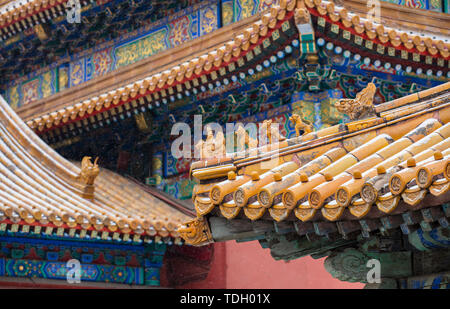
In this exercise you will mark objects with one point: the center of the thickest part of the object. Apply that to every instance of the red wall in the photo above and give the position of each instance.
(247, 265)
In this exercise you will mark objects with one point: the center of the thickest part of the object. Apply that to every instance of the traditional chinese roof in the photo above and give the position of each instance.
(47, 39)
(414, 39)
(393, 162)
(222, 59)
(18, 15)
(42, 190)
(262, 37)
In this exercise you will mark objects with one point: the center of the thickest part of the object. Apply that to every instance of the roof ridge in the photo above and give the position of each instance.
(41, 188)
(341, 15)
(225, 54)
(353, 191)
(22, 132)
(387, 114)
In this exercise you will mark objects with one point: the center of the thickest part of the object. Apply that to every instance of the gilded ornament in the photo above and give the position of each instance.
(89, 171)
(359, 107)
(300, 125)
(272, 132)
(196, 232)
(243, 139)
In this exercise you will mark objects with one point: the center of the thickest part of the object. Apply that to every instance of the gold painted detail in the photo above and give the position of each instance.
(196, 232)
(42, 31)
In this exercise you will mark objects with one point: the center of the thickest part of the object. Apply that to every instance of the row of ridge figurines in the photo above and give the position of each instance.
(214, 146)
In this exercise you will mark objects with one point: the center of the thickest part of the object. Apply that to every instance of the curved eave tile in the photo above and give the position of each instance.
(377, 32)
(349, 179)
(39, 188)
(26, 11)
(193, 69)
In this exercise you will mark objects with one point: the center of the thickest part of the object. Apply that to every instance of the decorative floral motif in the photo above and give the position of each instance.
(179, 31)
(102, 62)
(30, 91)
(77, 72)
(47, 82)
(208, 19)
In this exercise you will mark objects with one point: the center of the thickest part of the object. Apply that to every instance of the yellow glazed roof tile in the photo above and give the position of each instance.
(339, 185)
(39, 187)
(193, 68)
(372, 30)
(230, 52)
